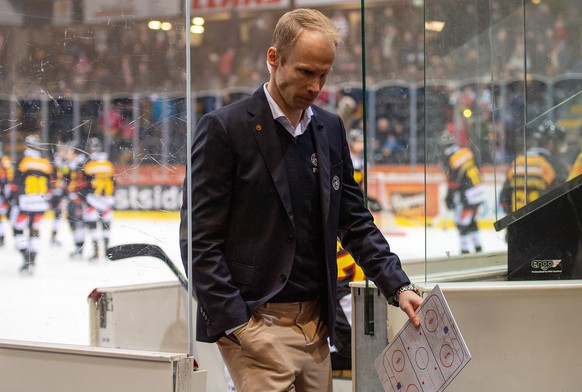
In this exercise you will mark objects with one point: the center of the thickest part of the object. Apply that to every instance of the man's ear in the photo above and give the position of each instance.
(273, 57)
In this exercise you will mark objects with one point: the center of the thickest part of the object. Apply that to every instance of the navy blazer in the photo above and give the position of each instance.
(243, 236)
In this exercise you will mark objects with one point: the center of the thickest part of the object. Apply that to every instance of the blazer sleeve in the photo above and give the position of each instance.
(363, 239)
(212, 158)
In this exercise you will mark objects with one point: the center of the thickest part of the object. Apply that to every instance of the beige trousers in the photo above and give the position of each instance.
(283, 348)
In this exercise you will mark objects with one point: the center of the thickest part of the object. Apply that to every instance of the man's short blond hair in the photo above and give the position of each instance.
(292, 23)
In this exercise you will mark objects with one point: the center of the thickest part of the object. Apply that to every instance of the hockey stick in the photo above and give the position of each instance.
(125, 251)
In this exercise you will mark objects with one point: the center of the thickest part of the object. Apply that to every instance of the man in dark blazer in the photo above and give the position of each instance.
(272, 189)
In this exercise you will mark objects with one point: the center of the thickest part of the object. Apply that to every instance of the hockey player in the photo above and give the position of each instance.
(348, 271)
(58, 199)
(32, 186)
(356, 145)
(531, 175)
(96, 189)
(6, 178)
(576, 169)
(72, 175)
(465, 192)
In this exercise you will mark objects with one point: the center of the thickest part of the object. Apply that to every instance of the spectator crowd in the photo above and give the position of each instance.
(129, 57)
(122, 59)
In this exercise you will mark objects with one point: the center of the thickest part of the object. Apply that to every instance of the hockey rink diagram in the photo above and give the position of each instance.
(426, 358)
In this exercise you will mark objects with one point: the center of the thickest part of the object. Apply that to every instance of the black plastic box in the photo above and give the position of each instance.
(544, 238)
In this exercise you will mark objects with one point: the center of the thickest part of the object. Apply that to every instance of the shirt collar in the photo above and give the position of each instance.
(279, 116)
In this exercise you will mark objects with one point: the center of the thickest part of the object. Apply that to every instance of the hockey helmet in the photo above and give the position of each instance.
(33, 142)
(356, 135)
(447, 139)
(549, 130)
(346, 104)
(94, 145)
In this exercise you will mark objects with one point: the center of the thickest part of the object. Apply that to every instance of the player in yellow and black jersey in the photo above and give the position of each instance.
(531, 175)
(576, 169)
(96, 189)
(32, 192)
(6, 178)
(465, 191)
(348, 270)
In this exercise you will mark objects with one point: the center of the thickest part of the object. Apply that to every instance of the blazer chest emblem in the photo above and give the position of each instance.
(335, 183)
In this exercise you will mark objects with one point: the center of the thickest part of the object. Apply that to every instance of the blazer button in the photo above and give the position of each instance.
(283, 278)
(290, 239)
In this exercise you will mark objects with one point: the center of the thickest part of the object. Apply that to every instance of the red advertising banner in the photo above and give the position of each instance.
(403, 192)
(149, 175)
(406, 191)
(96, 11)
(206, 6)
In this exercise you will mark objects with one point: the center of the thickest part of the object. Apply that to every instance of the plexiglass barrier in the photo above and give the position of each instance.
(452, 96)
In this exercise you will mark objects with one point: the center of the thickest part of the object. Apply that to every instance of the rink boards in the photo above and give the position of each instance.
(519, 339)
(154, 316)
(33, 366)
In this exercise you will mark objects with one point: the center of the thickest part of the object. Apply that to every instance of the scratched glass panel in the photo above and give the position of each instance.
(465, 134)
(93, 119)
(541, 176)
(97, 76)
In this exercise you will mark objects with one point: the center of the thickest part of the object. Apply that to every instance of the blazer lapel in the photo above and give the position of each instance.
(322, 149)
(265, 133)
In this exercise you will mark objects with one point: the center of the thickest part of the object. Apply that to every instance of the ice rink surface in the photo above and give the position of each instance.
(51, 305)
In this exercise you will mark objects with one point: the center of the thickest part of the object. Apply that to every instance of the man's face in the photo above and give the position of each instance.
(357, 146)
(296, 82)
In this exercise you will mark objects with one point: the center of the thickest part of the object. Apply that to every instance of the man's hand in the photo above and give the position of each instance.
(409, 301)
